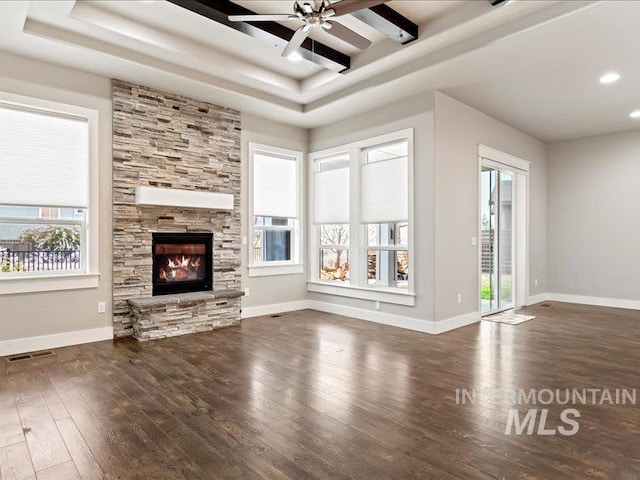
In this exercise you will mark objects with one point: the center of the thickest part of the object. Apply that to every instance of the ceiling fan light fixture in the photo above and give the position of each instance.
(294, 57)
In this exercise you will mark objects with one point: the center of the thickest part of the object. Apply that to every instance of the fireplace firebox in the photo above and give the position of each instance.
(182, 262)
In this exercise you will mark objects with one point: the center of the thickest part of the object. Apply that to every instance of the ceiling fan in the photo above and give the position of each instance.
(313, 14)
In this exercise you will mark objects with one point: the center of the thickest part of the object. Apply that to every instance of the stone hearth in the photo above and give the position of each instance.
(171, 315)
(162, 140)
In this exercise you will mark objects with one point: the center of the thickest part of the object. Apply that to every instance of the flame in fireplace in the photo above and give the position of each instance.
(181, 268)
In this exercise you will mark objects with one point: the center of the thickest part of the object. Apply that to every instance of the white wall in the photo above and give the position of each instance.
(415, 112)
(460, 129)
(272, 289)
(594, 216)
(36, 314)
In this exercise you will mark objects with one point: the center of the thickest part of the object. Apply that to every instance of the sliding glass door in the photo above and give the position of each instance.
(497, 218)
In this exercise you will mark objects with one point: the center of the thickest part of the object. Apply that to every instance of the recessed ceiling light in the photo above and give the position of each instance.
(635, 114)
(610, 77)
(295, 57)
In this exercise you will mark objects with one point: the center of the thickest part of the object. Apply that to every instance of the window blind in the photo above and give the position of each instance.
(384, 190)
(44, 158)
(274, 186)
(331, 190)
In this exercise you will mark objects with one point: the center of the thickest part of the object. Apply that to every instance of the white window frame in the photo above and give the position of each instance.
(89, 276)
(295, 265)
(357, 286)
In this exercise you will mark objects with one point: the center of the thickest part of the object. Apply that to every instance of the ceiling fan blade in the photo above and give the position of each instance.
(348, 35)
(263, 18)
(344, 7)
(296, 41)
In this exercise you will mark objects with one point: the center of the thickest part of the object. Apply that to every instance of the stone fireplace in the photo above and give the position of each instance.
(182, 263)
(176, 266)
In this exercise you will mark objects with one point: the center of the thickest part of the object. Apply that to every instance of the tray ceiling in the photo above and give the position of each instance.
(467, 48)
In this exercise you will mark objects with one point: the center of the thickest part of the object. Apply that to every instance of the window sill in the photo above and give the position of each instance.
(376, 294)
(48, 283)
(278, 269)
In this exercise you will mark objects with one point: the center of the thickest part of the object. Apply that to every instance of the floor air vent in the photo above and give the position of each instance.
(545, 304)
(30, 356)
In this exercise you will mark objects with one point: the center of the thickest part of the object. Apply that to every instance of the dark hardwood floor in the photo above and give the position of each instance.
(317, 396)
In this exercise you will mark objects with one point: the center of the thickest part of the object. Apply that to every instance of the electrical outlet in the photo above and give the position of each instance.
(535, 282)
(246, 291)
(377, 305)
(459, 298)
(102, 307)
(474, 241)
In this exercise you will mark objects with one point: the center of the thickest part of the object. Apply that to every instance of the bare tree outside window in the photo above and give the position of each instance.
(334, 251)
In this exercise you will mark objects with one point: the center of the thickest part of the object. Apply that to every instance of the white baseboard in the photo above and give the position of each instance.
(457, 322)
(416, 324)
(541, 297)
(597, 301)
(248, 312)
(43, 342)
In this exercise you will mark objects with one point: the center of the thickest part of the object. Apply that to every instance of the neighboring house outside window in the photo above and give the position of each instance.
(361, 231)
(275, 236)
(384, 196)
(45, 159)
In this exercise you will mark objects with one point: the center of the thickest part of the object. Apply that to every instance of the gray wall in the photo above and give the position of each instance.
(455, 135)
(460, 129)
(35, 314)
(594, 216)
(415, 112)
(447, 136)
(282, 288)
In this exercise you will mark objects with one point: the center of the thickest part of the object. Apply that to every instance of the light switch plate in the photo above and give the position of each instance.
(102, 307)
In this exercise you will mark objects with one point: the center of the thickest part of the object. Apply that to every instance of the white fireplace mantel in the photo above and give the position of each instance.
(169, 197)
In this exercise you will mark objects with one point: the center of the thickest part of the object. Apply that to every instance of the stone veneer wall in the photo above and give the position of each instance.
(169, 141)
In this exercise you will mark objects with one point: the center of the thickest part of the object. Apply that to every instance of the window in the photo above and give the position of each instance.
(388, 254)
(331, 215)
(334, 252)
(272, 239)
(361, 198)
(46, 154)
(274, 230)
(385, 211)
(42, 240)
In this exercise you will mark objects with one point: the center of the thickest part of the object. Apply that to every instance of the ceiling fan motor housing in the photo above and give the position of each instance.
(314, 17)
